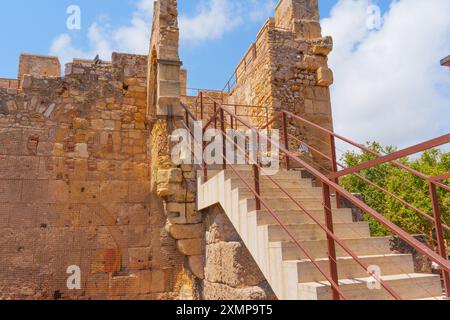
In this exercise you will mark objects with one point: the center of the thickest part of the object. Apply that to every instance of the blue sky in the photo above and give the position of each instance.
(42, 20)
(388, 77)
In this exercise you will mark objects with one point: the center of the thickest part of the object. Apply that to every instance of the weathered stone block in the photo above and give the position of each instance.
(184, 231)
(324, 77)
(182, 213)
(218, 291)
(190, 247)
(106, 261)
(79, 123)
(139, 258)
(125, 285)
(197, 266)
(159, 281)
(231, 263)
(174, 175)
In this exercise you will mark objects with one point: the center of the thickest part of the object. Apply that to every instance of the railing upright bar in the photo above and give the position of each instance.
(215, 119)
(201, 106)
(286, 139)
(235, 112)
(440, 235)
(334, 166)
(224, 134)
(205, 169)
(332, 260)
(187, 120)
(257, 173)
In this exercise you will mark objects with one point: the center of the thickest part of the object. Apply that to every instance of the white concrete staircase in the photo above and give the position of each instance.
(291, 275)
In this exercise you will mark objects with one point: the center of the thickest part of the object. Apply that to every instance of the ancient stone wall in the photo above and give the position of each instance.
(286, 69)
(75, 188)
(36, 65)
(87, 178)
(253, 83)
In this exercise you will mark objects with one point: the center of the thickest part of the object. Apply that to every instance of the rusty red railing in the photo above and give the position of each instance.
(331, 182)
(392, 158)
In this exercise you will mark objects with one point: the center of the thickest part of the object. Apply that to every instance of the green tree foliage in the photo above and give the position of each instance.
(408, 187)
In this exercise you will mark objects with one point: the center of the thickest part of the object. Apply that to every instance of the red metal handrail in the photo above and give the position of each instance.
(421, 212)
(327, 184)
(394, 156)
(366, 149)
(432, 182)
(329, 229)
(401, 233)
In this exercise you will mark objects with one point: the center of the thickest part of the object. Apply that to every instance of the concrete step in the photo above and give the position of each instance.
(239, 167)
(279, 175)
(319, 249)
(300, 217)
(409, 286)
(438, 298)
(303, 232)
(310, 203)
(348, 268)
(299, 196)
(303, 184)
(278, 193)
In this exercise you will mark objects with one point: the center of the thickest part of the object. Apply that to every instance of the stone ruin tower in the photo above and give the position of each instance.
(87, 179)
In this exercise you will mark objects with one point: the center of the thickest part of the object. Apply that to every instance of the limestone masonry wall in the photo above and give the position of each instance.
(286, 69)
(75, 187)
(87, 178)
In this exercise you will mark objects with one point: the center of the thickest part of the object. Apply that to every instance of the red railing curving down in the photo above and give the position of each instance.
(219, 119)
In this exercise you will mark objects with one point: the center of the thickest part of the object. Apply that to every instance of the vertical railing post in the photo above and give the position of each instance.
(334, 166)
(330, 241)
(205, 169)
(256, 172)
(286, 139)
(235, 112)
(187, 120)
(257, 186)
(224, 137)
(439, 234)
(201, 105)
(215, 118)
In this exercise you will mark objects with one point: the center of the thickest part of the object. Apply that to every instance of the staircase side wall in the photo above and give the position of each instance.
(230, 271)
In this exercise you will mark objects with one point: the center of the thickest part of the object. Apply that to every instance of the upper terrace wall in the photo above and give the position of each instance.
(36, 65)
(75, 187)
(9, 83)
(286, 69)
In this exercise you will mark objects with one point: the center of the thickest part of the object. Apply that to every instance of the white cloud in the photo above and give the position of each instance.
(389, 86)
(214, 18)
(211, 21)
(261, 10)
(103, 39)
